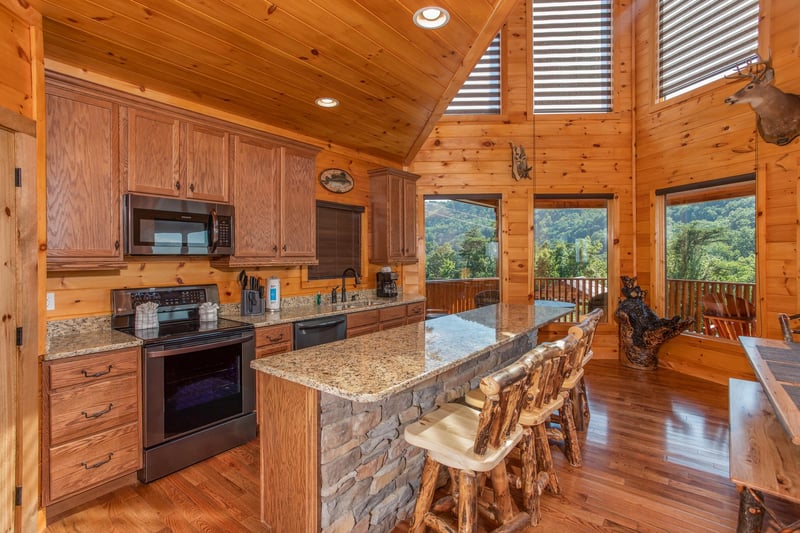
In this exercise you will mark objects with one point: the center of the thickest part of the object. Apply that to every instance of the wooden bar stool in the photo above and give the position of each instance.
(473, 446)
(574, 415)
(542, 400)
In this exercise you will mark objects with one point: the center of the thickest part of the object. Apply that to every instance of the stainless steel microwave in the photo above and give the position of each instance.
(169, 226)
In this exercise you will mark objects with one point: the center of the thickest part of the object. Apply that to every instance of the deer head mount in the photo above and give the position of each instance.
(778, 112)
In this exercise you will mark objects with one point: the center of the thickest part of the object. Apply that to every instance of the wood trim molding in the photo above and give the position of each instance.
(15, 122)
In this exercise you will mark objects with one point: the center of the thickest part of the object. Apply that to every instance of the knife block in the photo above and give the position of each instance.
(252, 303)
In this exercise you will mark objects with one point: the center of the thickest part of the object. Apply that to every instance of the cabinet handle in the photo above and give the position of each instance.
(98, 414)
(191, 187)
(275, 248)
(98, 464)
(116, 244)
(96, 374)
(275, 339)
(284, 247)
(178, 185)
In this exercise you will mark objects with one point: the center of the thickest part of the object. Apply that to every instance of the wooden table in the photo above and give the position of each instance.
(777, 366)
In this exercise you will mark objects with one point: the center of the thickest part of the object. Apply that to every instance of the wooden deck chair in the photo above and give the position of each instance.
(728, 316)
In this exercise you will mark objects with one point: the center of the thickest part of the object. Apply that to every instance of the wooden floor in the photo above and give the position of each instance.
(655, 460)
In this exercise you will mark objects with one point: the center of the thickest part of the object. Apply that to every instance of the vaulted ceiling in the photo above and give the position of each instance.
(269, 61)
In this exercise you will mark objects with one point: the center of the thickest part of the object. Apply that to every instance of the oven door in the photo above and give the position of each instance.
(194, 383)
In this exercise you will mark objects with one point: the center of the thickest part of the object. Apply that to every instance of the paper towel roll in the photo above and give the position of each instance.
(273, 293)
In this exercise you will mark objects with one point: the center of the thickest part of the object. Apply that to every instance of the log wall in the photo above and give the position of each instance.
(696, 137)
(569, 153)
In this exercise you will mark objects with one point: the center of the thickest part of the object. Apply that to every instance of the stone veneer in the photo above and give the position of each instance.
(370, 475)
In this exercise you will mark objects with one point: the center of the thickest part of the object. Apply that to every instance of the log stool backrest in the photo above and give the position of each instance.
(504, 391)
(584, 331)
(548, 364)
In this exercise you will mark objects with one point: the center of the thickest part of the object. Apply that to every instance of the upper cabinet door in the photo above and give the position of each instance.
(207, 169)
(255, 169)
(83, 209)
(150, 143)
(298, 220)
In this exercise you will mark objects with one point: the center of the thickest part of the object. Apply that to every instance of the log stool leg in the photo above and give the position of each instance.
(581, 401)
(572, 447)
(430, 473)
(751, 511)
(544, 460)
(467, 502)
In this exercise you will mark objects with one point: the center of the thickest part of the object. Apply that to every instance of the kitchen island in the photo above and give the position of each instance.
(331, 417)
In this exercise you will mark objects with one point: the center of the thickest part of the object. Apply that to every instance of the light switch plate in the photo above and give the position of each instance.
(51, 301)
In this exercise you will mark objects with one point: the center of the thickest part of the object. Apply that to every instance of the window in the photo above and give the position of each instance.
(709, 246)
(338, 240)
(572, 56)
(480, 94)
(461, 248)
(571, 251)
(702, 40)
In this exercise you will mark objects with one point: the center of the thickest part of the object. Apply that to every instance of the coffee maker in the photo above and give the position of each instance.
(387, 284)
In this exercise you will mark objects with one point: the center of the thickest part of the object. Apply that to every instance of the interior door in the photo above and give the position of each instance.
(8, 348)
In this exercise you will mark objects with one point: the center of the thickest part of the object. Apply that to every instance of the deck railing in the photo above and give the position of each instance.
(456, 295)
(685, 297)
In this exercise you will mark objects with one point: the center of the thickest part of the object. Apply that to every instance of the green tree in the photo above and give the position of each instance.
(474, 257)
(688, 249)
(441, 263)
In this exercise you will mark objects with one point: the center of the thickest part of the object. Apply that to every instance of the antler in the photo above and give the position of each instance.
(754, 69)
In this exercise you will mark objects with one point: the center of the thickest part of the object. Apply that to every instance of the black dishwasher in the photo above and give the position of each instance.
(319, 331)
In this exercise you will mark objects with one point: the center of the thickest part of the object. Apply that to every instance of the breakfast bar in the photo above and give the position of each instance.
(331, 417)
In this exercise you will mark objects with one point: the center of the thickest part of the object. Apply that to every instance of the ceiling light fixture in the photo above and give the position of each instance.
(431, 18)
(327, 101)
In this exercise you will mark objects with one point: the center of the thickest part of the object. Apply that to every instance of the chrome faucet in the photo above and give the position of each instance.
(344, 284)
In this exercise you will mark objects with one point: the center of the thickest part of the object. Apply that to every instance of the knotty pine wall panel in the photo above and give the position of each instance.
(696, 137)
(570, 154)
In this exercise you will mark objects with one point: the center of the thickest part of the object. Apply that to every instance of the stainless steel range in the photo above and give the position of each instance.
(198, 389)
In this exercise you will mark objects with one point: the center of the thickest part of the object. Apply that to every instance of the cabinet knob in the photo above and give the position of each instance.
(284, 247)
(275, 248)
(116, 244)
(178, 185)
(191, 187)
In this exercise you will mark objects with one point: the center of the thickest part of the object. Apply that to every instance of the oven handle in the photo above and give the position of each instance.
(195, 347)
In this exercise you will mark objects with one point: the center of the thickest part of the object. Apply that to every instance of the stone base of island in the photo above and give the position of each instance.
(331, 417)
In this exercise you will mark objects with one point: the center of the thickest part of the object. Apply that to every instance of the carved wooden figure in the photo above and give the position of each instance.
(641, 331)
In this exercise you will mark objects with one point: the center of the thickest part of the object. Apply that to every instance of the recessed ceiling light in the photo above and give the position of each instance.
(431, 17)
(327, 101)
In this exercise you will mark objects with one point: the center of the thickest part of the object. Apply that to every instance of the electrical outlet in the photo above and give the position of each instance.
(51, 301)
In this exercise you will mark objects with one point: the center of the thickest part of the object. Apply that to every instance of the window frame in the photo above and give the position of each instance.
(658, 198)
(586, 200)
(708, 84)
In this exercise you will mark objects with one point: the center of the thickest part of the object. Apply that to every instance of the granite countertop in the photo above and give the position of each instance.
(372, 367)
(88, 342)
(305, 312)
(81, 336)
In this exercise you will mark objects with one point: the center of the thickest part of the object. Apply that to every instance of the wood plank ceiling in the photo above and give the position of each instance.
(269, 61)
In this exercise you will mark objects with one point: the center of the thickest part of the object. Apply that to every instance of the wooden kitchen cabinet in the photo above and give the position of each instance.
(84, 226)
(91, 422)
(392, 317)
(274, 195)
(415, 312)
(165, 155)
(271, 340)
(362, 322)
(393, 202)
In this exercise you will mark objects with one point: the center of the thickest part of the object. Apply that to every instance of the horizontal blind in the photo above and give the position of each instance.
(480, 94)
(572, 56)
(700, 40)
(338, 240)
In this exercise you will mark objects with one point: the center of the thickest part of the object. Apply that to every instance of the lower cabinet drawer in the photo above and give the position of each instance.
(85, 463)
(79, 411)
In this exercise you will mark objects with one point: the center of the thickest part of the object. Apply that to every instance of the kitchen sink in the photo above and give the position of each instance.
(354, 304)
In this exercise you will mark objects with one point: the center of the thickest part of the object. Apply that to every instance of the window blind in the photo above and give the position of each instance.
(338, 240)
(701, 40)
(572, 56)
(480, 94)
